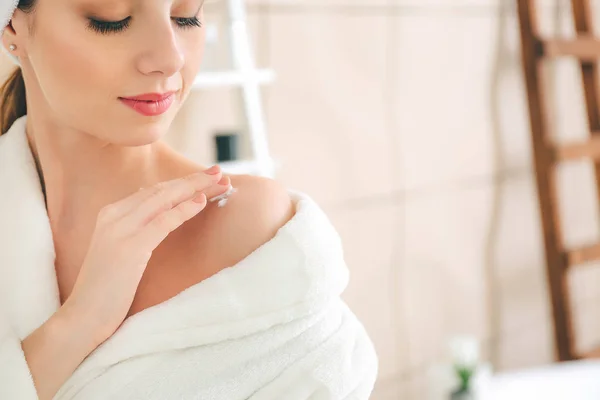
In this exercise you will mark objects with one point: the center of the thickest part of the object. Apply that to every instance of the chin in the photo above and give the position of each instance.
(147, 139)
(141, 137)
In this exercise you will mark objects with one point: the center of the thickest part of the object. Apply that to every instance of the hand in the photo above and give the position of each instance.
(125, 235)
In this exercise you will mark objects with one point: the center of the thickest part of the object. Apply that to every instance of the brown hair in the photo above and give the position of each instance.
(12, 92)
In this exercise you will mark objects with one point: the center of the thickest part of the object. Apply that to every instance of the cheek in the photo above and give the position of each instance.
(72, 66)
(194, 57)
(73, 77)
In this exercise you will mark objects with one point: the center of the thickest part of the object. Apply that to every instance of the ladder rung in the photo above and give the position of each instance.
(589, 149)
(595, 353)
(583, 47)
(583, 255)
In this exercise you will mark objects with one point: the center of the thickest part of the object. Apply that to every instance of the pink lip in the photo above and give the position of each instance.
(150, 108)
(150, 96)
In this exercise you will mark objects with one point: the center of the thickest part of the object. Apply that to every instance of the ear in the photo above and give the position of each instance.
(10, 27)
(8, 35)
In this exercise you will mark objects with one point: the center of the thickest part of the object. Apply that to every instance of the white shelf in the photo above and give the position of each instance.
(232, 78)
(243, 167)
(244, 75)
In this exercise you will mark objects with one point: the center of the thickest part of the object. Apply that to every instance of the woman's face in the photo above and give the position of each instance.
(79, 66)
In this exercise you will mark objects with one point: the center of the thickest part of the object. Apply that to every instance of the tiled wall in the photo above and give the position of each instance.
(407, 122)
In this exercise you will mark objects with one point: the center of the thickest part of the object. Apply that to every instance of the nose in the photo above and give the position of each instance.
(161, 51)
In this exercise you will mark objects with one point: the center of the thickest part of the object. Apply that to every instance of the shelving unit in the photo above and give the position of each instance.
(249, 80)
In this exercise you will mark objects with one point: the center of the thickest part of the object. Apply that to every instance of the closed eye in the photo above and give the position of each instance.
(108, 27)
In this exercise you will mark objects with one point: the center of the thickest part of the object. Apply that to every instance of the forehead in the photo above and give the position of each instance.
(110, 4)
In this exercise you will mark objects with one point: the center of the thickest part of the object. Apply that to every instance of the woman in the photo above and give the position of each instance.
(120, 280)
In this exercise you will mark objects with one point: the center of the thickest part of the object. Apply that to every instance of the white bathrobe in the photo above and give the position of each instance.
(273, 326)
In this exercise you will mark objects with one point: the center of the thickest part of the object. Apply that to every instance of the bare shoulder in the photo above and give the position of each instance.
(251, 217)
(262, 201)
(217, 238)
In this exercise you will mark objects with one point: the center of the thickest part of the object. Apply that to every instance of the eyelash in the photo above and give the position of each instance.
(108, 27)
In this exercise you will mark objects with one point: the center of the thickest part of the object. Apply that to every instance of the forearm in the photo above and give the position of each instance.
(56, 348)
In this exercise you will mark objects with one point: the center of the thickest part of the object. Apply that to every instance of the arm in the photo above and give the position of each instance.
(39, 365)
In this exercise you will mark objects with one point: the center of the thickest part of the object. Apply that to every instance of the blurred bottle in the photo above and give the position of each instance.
(226, 144)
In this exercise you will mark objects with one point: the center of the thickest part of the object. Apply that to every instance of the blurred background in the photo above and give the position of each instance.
(407, 121)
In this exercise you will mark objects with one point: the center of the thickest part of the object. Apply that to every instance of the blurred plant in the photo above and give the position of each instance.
(464, 375)
(465, 358)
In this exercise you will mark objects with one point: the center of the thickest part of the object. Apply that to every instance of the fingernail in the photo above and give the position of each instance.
(201, 198)
(212, 170)
(224, 181)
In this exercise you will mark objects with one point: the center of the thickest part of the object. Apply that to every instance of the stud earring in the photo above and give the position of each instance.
(12, 47)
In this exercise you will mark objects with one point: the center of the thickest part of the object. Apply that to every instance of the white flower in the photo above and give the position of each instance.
(464, 351)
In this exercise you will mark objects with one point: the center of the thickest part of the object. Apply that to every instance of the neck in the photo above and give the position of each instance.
(81, 174)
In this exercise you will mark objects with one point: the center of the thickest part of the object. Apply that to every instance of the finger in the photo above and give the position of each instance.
(166, 222)
(223, 194)
(224, 185)
(145, 193)
(132, 202)
(165, 197)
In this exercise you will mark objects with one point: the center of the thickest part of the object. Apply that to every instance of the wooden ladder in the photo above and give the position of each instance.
(560, 261)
